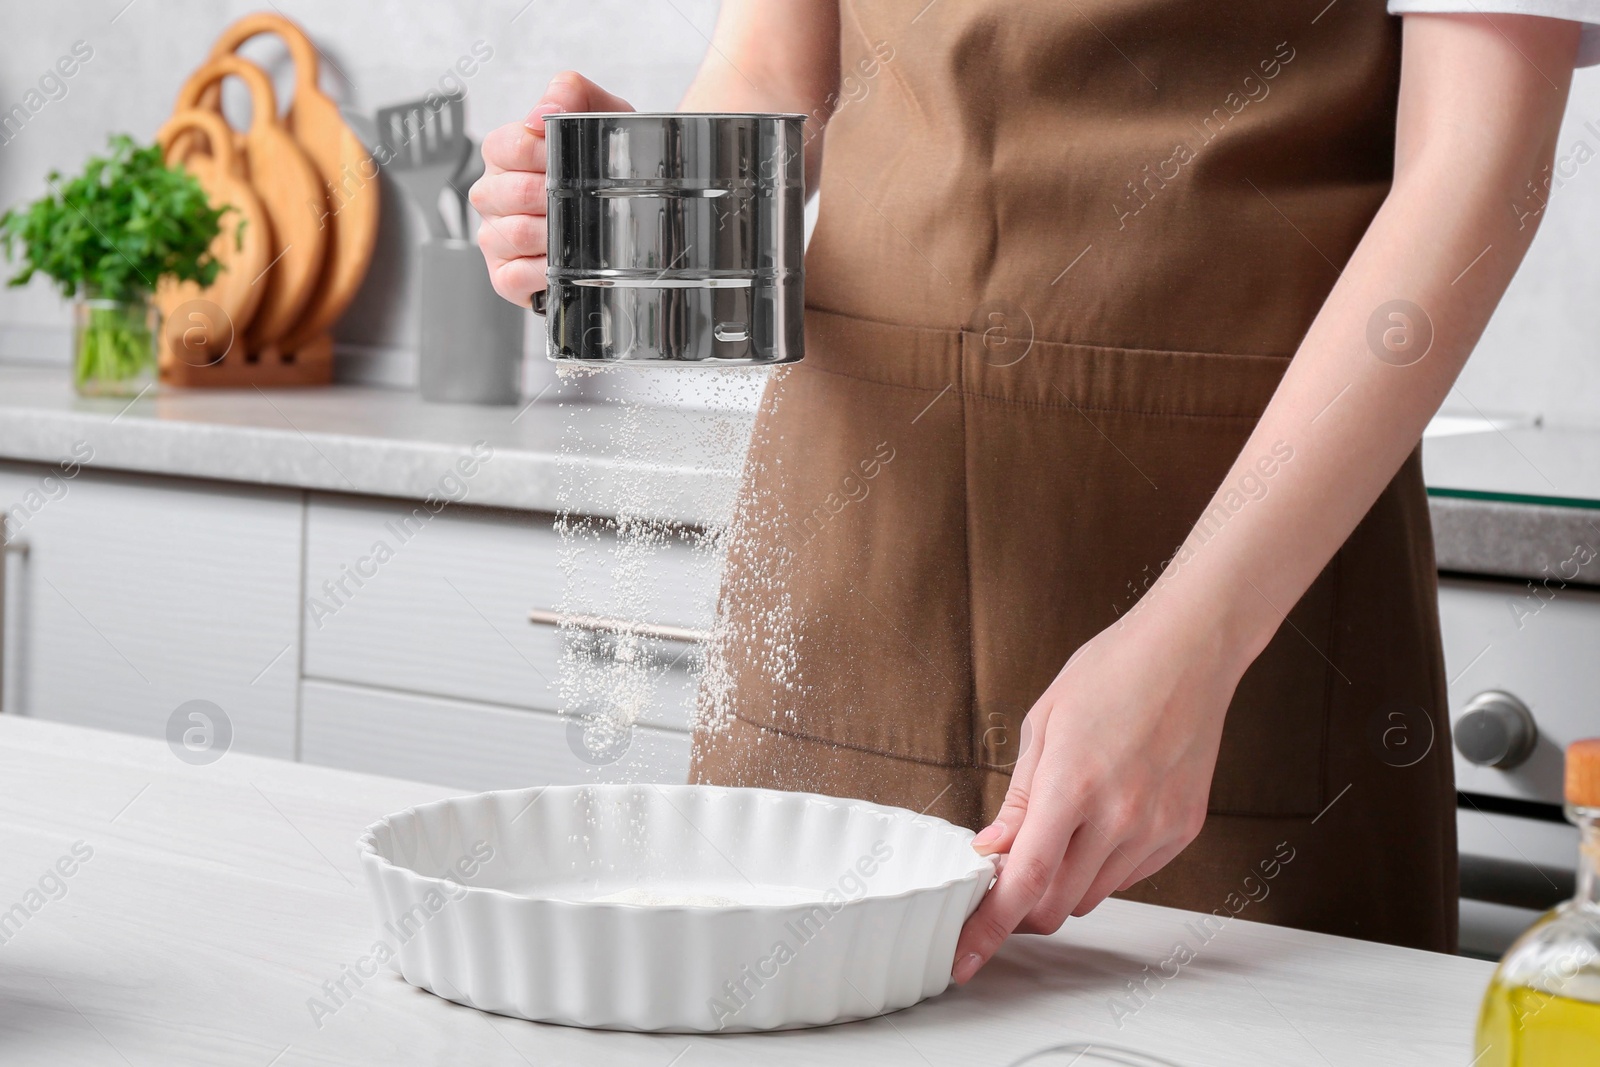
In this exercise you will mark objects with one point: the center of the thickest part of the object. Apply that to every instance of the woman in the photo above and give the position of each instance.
(1124, 319)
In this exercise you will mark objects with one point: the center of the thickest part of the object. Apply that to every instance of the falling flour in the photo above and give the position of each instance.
(656, 478)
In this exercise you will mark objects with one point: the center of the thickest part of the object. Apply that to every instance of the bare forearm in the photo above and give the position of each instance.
(1480, 109)
(772, 55)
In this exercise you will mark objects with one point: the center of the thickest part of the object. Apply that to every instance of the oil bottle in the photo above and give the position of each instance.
(1543, 1004)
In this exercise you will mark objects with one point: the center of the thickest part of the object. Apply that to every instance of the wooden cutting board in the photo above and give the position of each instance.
(291, 191)
(202, 326)
(349, 174)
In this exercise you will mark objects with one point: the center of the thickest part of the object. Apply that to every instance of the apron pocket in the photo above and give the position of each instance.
(1086, 468)
(1274, 741)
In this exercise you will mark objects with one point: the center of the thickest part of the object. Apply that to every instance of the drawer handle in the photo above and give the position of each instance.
(598, 625)
(8, 546)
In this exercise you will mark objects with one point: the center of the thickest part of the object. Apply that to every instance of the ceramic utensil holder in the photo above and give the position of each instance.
(471, 339)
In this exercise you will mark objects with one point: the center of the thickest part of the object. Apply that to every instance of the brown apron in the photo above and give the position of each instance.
(1065, 252)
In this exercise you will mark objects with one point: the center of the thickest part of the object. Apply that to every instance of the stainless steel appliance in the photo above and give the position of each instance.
(1525, 683)
(1515, 508)
(1519, 607)
(675, 239)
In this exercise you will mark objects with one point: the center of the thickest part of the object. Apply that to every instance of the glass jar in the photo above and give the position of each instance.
(1543, 1004)
(114, 345)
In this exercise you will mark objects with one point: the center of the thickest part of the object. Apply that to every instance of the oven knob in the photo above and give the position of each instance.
(1496, 730)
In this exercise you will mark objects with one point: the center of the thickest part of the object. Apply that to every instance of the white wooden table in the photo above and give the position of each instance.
(219, 899)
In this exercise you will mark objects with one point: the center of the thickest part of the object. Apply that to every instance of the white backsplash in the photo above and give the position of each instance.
(376, 53)
(1537, 358)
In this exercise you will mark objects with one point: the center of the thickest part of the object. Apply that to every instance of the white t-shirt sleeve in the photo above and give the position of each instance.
(1584, 11)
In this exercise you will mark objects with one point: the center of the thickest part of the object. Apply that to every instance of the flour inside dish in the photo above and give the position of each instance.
(702, 896)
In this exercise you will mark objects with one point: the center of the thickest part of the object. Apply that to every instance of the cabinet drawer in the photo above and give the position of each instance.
(138, 594)
(439, 605)
(1538, 646)
(466, 745)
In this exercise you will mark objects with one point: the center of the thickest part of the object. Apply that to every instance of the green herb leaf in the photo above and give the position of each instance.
(116, 230)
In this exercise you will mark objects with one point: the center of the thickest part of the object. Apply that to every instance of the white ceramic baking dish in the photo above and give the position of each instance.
(677, 908)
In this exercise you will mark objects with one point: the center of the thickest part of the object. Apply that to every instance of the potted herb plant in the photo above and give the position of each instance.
(107, 238)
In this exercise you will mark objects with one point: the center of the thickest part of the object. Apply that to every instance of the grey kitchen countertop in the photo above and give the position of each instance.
(593, 458)
(1515, 498)
(1509, 497)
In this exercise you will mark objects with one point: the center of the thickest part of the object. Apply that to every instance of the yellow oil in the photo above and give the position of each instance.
(1522, 1027)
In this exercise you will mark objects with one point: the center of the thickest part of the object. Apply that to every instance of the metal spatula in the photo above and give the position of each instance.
(426, 143)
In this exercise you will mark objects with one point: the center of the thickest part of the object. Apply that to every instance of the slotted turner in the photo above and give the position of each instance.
(425, 146)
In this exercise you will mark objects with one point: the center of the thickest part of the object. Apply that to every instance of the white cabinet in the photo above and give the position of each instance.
(439, 604)
(472, 746)
(356, 632)
(138, 594)
(421, 661)
(433, 605)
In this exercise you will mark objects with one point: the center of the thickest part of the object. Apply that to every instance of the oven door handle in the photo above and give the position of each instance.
(1517, 885)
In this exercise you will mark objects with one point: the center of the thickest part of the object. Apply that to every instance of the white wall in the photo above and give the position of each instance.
(1541, 353)
(1539, 356)
(385, 52)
